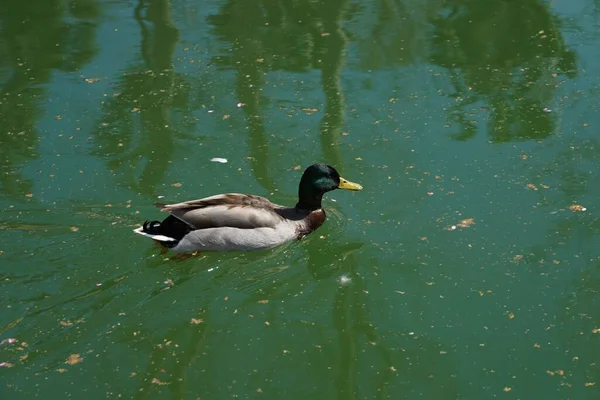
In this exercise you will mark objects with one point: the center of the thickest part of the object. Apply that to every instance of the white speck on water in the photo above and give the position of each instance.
(344, 279)
(219, 160)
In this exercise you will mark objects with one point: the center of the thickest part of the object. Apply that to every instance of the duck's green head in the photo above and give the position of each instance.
(316, 181)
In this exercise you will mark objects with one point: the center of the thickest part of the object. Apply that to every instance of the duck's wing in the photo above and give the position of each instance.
(226, 210)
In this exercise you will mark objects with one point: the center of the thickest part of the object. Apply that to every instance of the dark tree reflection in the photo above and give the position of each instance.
(271, 36)
(137, 127)
(37, 38)
(511, 56)
(398, 35)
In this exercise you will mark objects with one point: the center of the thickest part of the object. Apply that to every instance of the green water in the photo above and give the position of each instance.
(445, 111)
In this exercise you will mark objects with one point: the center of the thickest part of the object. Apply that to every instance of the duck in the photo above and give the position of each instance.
(245, 222)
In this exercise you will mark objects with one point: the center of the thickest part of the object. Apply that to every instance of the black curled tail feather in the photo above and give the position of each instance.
(152, 227)
(171, 227)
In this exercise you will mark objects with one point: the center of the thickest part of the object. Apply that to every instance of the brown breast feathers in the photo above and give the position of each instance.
(312, 221)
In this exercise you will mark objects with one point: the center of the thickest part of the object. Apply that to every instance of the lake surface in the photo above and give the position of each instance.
(468, 267)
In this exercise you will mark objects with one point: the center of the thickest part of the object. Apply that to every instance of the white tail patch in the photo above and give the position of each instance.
(160, 238)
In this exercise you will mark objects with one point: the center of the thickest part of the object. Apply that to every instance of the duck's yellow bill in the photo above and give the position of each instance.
(347, 185)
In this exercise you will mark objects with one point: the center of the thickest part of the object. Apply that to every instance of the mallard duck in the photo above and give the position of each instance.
(244, 222)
